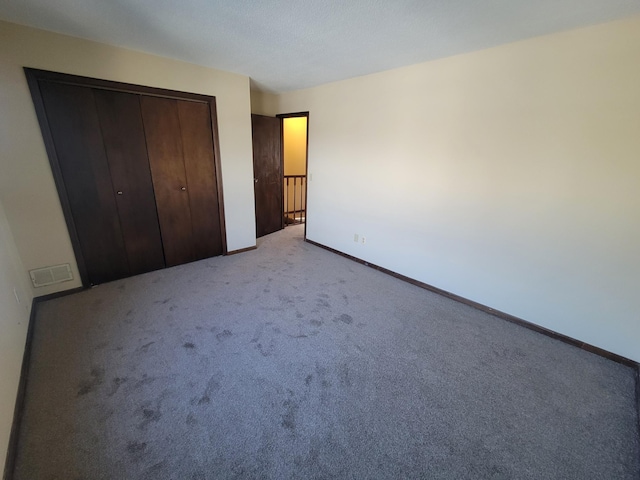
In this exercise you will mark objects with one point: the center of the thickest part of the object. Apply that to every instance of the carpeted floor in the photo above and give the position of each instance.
(292, 362)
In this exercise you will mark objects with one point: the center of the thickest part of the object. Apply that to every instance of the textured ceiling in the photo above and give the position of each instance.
(286, 45)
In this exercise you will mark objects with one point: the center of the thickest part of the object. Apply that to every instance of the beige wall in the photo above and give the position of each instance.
(263, 103)
(15, 304)
(510, 176)
(26, 184)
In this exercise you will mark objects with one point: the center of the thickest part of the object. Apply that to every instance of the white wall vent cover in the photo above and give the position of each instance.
(42, 277)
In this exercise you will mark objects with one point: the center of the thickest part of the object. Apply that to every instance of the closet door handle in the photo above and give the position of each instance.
(119, 192)
(183, 188)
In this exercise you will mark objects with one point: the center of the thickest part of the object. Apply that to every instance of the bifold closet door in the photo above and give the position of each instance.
(195, 127)
(180, 148)
(124, 143)
(75, 128)
(100, 145)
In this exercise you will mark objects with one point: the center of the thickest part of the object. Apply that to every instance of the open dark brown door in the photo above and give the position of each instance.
(267, 173)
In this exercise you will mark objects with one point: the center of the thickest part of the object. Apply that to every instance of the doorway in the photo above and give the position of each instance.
(280, 151)
(294, 147)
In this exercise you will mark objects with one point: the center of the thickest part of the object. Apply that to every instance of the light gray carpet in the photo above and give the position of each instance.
(292, 362)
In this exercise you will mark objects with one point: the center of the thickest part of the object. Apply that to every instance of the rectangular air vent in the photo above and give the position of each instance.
(42, 277)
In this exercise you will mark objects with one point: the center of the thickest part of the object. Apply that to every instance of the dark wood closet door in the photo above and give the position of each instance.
(75, 128)
(124, 143)
(164, 147)
(267, 173)
(195, 125)
(136, 169)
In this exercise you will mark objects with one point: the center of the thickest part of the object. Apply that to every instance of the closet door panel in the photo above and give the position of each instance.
(75, 128)
(195, 125)
(124, 141)
(164, 147)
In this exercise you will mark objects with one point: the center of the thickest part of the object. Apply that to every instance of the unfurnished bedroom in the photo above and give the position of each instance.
(324, 240)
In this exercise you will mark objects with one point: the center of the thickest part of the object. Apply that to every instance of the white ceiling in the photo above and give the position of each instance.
(286, 44)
